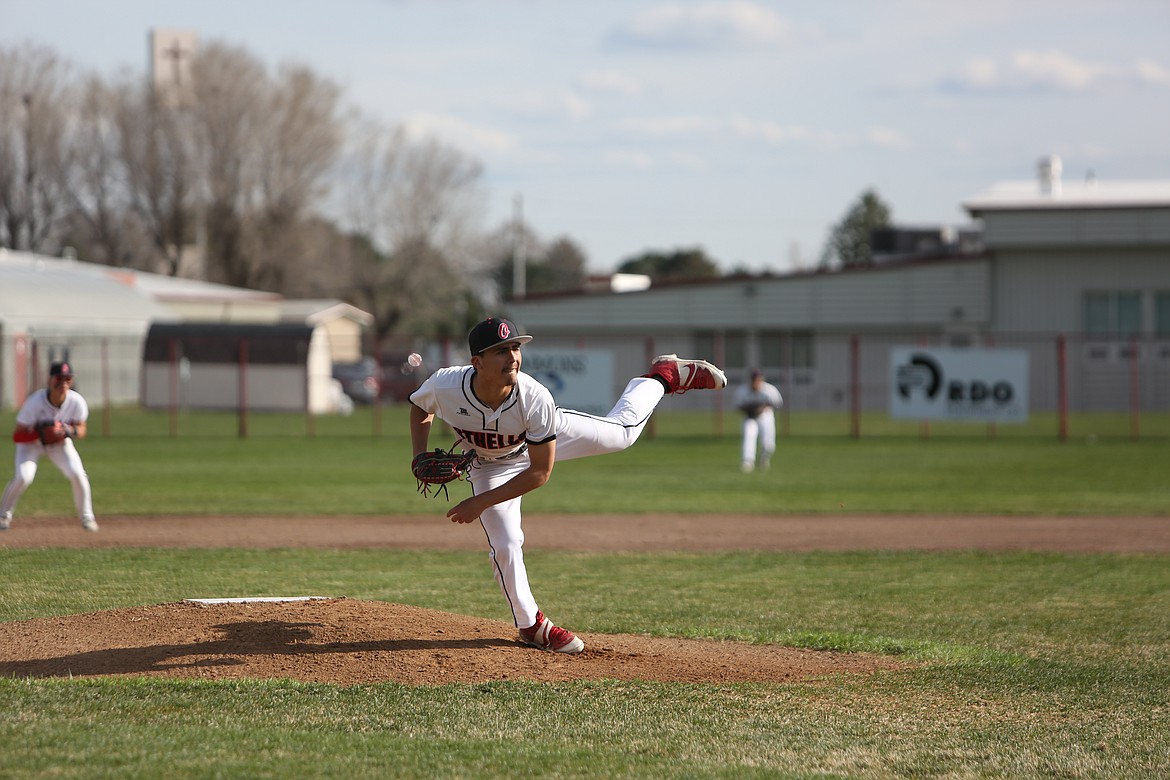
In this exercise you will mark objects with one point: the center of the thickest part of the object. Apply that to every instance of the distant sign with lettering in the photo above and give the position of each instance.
(580, 379)
(959, 384)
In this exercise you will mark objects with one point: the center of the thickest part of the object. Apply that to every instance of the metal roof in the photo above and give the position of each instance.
(1030, 195)
(40, 291)
(317, 310)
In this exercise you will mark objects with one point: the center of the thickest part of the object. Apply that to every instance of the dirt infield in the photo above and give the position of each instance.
(347, 641)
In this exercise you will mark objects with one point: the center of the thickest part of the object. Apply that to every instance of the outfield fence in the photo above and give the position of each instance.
(833, 384)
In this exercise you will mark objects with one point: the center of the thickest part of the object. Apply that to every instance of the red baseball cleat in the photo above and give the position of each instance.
(545, 636)
(683, 374)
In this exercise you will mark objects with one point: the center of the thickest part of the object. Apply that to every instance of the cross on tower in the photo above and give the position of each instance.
(175, 53)
(171, 55)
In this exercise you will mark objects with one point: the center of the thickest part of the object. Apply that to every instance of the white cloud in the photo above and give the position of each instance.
(611, 81)
(662, 126)
(555, 104)
(1052, 71)
(1154, 73)
(735, 125)
(733, 24)
(628, 158)
(981, 73)
(689, 161)
(887, 138)
(575, 106)
(460, 132)
(770, 132)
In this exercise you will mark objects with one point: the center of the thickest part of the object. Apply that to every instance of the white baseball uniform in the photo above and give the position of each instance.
(38, 409)
(500, 439)
(759, 422)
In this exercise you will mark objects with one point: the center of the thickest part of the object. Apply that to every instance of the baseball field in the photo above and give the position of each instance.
(896, 606)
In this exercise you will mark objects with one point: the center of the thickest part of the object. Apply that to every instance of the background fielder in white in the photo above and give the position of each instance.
(758, 400)
(57, 402)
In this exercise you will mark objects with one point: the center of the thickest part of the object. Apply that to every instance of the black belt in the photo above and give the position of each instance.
(523, 448)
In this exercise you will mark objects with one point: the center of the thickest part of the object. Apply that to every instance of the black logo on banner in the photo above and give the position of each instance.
(922, 371)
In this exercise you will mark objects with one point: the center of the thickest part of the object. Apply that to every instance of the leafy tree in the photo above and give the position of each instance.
(849, 243)
(679, 265)
(557, 267)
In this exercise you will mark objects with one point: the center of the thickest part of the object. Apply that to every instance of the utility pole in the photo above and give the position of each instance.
(519, 252)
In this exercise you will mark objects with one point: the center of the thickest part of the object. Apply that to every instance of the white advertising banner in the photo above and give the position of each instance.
(580, 379)
(989, 385)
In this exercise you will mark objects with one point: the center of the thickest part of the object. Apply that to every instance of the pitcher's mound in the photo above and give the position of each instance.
(347, 641)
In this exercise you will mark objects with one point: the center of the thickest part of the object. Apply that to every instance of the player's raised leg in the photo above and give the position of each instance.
(580, 435)
(682, 374)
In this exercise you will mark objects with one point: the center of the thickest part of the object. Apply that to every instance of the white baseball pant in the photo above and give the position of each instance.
(65, 457)
(759, 437)
(579, 435)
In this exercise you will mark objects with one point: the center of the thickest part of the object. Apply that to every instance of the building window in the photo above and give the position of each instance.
(1129, 313)
(803, 354)
(1097, 314)
(1162, 313)
(1113, 313)
(772, 349)
(790, 349)
(734, 347)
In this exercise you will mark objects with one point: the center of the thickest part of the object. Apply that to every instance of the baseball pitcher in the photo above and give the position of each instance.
(509, 423)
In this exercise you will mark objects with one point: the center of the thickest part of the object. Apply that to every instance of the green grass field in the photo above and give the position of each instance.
(1029, 665)
(360, 465)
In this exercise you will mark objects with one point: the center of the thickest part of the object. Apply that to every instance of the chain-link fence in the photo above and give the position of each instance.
(833, 384)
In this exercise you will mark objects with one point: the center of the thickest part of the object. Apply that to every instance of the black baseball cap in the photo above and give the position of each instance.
(493, 332)
(61, 368)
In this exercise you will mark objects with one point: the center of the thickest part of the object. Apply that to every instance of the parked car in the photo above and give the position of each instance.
(399, 378)
(361, 381)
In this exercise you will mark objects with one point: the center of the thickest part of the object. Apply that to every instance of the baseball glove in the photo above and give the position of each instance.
(54, 432)
(753, 410)
(434, 469)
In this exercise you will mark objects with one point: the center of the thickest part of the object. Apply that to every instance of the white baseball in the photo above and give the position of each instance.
(415, 359)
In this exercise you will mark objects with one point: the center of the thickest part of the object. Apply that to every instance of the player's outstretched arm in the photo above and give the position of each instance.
(541, 459)
(420, 429)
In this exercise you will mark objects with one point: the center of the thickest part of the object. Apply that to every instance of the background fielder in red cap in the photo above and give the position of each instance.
(47, 423)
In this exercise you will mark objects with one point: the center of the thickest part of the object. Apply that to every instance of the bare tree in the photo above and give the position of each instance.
(228, 103)
(299, 145)
(266, 147)
(35, 105)
(157, 152)
(415, 205)
(105, 186)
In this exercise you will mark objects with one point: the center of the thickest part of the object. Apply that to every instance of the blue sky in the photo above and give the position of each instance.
(745, 127)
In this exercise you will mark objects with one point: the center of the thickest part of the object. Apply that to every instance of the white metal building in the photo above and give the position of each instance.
(1088, 261)
(53, 309)
(99, 317)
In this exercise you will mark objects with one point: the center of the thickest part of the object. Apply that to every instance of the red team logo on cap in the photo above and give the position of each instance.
(504, 332)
